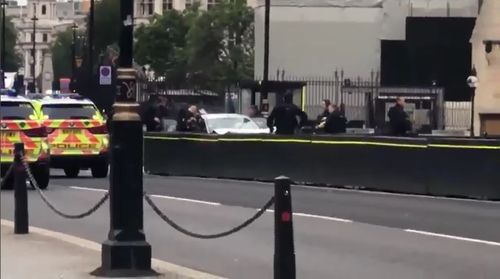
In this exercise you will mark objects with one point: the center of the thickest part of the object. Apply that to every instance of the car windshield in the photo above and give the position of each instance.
(69, 111)
(231, 122)
(16, 110)
(261, 122)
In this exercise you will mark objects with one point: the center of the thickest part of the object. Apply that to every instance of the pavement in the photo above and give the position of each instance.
(47, 254)
(338, 233)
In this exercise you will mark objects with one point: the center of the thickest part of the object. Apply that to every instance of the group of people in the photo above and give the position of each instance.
(158, 109)
(285, 119)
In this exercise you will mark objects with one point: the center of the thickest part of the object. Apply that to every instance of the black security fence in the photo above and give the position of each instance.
(364, 101)
(441, 167)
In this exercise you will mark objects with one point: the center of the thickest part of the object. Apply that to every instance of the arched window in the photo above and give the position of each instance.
(44, 9)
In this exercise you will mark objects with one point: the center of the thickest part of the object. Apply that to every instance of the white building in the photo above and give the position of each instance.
(53, 17)
(145, 9)
(315, 37)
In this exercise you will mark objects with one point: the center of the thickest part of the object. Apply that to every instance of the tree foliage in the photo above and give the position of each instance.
(61, 54)
(198, 47)
(106, 26)
(12, 59)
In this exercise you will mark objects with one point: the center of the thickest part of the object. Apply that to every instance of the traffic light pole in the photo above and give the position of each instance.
(126, 252)
(73, 58)
(264, 89)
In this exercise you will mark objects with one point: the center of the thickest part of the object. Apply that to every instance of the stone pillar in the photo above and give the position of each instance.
(47, 72)
(487, 64)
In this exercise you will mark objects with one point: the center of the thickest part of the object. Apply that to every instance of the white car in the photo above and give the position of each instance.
(229, 123)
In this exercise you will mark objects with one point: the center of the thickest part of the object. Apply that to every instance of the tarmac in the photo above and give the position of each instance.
(44, 254)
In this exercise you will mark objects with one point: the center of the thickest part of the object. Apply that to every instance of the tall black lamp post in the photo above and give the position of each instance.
(472, 82)
(126, 252)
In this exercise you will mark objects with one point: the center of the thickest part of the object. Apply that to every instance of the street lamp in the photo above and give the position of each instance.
(472, 82)
(126, 252)
(33, 50)
(2, 55)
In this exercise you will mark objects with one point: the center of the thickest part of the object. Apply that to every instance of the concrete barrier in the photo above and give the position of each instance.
(460, 167)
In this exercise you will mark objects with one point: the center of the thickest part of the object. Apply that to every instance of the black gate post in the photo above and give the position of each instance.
(284, 251)
(20, 192)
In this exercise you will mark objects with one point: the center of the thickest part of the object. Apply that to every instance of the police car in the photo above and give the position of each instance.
(77, 134)
(20, 123)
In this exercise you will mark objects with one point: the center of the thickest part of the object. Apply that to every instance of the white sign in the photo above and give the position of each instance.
(105, 75)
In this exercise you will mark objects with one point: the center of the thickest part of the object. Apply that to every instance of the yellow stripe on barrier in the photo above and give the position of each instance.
(370, 143)
(387, 144)
(181, 138)
(488, 147)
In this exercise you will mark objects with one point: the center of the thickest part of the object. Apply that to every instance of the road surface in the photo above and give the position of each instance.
(338, 233)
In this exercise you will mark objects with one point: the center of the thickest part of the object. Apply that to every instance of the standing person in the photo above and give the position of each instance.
(335, 122)
(323, 115)
(253, 111)
(149, 114)
(398, 118)
(189, 120)
(284, 117)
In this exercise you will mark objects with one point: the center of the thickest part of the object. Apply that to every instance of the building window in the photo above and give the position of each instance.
(167, 5)
(44, 9)
(147, 7)
(45, 37)
(212, 3)
(189, 4)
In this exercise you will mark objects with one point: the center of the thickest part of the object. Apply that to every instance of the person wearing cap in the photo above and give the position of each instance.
(284, 117)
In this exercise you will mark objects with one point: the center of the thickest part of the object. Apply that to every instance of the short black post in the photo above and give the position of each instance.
(284, 251)
(20, 192)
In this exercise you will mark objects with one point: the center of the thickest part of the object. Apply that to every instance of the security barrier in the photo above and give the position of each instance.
(459, 167)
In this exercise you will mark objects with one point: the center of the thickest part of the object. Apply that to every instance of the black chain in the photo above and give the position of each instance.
(207, 236)
(51, 206)
(6, 176)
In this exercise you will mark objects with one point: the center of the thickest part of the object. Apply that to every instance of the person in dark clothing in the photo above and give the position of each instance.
(189, 120)
(398, 118)
(335, 122)
(322, 116)
(149, 114)
(284, 117)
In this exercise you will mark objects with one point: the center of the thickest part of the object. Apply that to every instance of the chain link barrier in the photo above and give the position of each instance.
(51, 205)
(6, 176)
(180, 229)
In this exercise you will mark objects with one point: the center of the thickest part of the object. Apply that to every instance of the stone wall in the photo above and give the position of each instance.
(487, 65)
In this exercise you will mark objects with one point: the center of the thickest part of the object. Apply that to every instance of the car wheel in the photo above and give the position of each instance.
(100, 169)
(42, 176)
(71, 172)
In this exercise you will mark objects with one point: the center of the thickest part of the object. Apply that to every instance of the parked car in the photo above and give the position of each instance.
(224, 123)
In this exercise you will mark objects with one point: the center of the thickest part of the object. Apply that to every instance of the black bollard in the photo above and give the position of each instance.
(20, 192)
(284, 251)
(126, 252)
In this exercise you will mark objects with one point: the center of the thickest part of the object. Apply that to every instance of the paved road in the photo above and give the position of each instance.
(368, 240)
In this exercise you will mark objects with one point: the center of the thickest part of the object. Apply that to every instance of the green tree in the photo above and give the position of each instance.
(161, 44)
(106, 27)
(12, 59)
(61, 54)
(220, 44)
